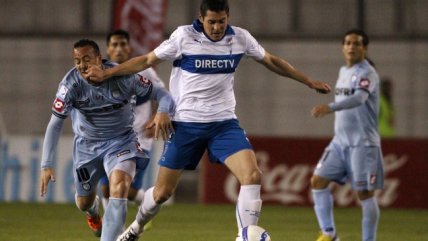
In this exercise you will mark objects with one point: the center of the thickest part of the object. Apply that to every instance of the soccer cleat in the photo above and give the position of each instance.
(95, 224)
(324, 237)
(128, 235)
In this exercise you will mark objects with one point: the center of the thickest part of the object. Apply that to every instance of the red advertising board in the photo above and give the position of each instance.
(287, 165)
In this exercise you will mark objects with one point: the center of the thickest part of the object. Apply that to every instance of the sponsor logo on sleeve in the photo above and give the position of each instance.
(364, 83)
(58, 105)
(146, 83)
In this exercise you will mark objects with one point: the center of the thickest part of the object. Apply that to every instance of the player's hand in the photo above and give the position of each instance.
(95, 73)
(320, 87)
(46, 175)
(162, 126)
(149, 132)
(320, 110)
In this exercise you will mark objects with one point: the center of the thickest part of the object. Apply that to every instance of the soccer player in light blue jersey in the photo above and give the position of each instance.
(205, 56)
(354, 153)
(119, 50)
(104, 141)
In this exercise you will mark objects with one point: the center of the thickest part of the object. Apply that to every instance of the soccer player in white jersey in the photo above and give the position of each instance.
(205, 55)
(354, 154)
(104, 142)
(119, 50)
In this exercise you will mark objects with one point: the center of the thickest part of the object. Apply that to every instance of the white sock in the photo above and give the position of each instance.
(147, 211)
(139, 197)
(248, 206)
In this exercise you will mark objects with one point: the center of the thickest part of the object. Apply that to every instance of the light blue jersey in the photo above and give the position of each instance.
(355, 153)
(358, 125)
(99, 112)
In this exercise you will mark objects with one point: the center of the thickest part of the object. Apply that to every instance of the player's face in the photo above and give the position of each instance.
(353, 49)
(215, 24)
(84, 57)
(118, 49)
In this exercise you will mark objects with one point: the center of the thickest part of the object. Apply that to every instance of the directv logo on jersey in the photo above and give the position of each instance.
(214, 63)
(209, 64)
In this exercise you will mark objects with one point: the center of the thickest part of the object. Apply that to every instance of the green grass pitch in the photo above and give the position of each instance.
(196, 222)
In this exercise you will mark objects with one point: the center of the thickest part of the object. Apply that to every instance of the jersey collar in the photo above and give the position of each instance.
(197, 25)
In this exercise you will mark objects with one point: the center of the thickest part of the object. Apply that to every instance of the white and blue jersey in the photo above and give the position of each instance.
(203, 71)
(357, 126)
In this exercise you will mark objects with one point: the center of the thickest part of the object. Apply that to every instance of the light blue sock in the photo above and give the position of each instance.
(371, 214)
(114, 219)
(323, 206)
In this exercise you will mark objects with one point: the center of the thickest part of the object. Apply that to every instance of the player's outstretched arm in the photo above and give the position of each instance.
(284, 68)
(132, 66)
(50, 142)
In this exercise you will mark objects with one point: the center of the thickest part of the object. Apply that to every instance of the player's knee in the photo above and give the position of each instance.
(365, 194)
(318, 182)
(119, 189)
(162, 194)
(252, 177)
(84, 203)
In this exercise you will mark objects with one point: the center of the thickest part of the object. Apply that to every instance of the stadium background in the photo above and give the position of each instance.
(36, 39)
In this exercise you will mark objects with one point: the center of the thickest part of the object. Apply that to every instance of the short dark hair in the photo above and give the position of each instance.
(357, 32)
(213, 5)
(87, 42)
(119, 32)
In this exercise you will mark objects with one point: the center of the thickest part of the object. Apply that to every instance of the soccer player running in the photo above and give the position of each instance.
(104, 140)
(119, 50)
(354, 153)
(205, 55)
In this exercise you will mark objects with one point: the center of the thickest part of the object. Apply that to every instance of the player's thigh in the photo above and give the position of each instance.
(332, 164)
(186, 146)
(243, 165)
(366, 163)
(123, 149)
(86, 177)
(226, 140)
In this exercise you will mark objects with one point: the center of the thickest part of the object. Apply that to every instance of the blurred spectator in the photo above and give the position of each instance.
(386, 112)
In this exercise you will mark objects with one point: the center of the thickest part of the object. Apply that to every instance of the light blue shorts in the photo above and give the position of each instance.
(94, 159)
(137, 182)
(361, 165)
(186, 146)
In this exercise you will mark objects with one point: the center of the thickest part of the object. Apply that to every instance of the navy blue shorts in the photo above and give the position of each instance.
(186, 146)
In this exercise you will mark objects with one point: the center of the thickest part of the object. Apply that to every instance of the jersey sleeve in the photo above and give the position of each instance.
(253, 48)
(366, 81)
(63, 102)
(143, 86)
(169, 49)
(50, 142)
